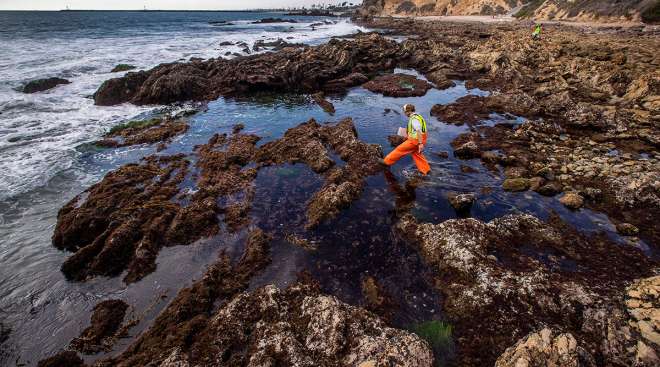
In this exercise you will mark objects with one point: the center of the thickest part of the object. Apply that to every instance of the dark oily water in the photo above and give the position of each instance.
(45, 311)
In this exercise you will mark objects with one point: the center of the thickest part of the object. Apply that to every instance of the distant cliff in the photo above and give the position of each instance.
(580, 10)
(440, 7)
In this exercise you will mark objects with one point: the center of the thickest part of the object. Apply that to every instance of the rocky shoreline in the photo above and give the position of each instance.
(518, 290)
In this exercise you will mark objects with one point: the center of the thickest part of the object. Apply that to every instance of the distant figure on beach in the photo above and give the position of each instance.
(414, 144)
(536, 35)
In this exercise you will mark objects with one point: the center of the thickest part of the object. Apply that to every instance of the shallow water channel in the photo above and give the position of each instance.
(45, 311)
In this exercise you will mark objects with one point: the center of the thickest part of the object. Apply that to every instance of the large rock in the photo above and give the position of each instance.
(298, 326)
(107, 317)
(572, 200)
(331, 67)
(461, 202)
(516, 184)
(643, 306)
(543, 348)
(122, 222)
(398, 85)
(515, 274)
(468, 150)
(41, 85)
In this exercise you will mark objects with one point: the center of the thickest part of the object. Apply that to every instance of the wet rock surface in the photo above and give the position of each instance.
(107, 318)
(466, 110)
(542, 349)
(122, 222)
(41, 85)
(461, 202)
(504, 278)
(152, 131)
(319, 98)
(311, 143)
(516, 289)
(295, 326)
(398, 85)
(63, 359)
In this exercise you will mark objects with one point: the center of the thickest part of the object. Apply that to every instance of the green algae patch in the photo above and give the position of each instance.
(439, 336)
(122, 67)
(135, 124)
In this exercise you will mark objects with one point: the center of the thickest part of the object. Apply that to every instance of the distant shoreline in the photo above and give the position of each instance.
(149, 11)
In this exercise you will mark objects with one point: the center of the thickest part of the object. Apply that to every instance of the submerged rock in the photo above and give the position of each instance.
(550, 189)
(461, 202)
(319, 98)
(468, 150)
(627, 229)
(41, 85)
(398, 85)
(107, 317)
(516, 184)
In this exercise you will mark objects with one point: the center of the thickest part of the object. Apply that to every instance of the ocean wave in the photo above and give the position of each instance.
(39, 132)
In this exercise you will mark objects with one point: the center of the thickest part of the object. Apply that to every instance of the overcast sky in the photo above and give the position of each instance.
(157, 4)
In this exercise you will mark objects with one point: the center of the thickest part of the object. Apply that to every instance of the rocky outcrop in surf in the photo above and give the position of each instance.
(155, 130)
(329, 67)
(40, 85)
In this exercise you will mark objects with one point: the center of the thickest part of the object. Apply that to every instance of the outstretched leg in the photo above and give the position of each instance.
(404, 148)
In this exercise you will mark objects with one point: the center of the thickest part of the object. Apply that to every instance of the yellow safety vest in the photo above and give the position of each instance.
(412, 133)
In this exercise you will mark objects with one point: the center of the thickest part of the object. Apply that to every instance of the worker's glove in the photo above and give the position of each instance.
(420, 148)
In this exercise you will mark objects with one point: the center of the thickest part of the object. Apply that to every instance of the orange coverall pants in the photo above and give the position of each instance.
(409, 147)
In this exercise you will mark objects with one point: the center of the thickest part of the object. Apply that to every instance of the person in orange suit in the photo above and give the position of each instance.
(414, 144)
